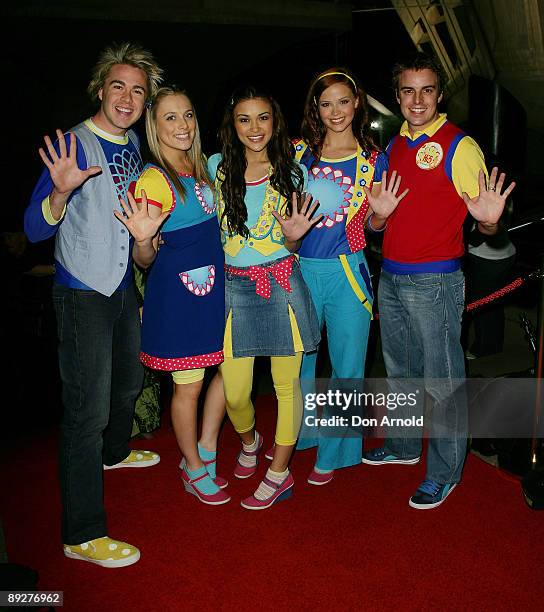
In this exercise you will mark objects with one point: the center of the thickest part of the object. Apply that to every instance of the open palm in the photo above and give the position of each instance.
(138, 221)
(300, 222)
(384, 203)
(65, 173)
(488, 205)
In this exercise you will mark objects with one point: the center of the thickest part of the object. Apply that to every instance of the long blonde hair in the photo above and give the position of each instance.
(194, 154)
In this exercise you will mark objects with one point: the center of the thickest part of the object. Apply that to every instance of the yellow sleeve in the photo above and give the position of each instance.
(46, 211)
(156, 187)
(466, 164)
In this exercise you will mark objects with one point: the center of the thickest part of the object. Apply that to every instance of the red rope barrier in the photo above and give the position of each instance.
(515, 284)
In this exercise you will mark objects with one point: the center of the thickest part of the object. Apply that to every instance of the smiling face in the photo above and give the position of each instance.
(175, 123)
(254, 123)
(122, 99)
(418, 97)
(337, 106)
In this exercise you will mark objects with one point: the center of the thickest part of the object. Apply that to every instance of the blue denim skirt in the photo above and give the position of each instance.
(261, 327)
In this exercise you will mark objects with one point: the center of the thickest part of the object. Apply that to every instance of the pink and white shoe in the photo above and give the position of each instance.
(282, 491)
(215, 499)
(241, 471)
(270, 453)
(221, 482)
(319, 479)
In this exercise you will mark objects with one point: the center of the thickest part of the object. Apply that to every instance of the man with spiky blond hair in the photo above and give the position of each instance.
(87, 170)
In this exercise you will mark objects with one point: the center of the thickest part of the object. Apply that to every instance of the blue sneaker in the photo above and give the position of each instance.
(430, 494)
(379, 456)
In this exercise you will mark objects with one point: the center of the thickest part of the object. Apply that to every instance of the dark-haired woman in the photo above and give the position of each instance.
(268, 306)
(342, 161)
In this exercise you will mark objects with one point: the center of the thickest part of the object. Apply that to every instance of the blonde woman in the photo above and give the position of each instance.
(183, 313)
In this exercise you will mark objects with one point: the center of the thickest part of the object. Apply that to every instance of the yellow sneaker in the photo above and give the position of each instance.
(136, 459)
(104, 551)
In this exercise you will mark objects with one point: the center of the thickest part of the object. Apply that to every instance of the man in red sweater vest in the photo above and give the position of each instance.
(421, 290)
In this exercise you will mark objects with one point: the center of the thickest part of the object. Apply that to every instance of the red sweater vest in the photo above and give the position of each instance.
(428, 223)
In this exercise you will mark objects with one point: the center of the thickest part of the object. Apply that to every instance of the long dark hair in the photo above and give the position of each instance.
(313, 131)
(286, 174)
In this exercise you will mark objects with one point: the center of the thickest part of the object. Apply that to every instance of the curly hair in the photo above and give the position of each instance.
(125, 53)
(194, 154)
(286, 176)
(312, 129)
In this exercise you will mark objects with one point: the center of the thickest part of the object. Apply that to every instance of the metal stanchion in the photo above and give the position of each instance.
(539, 366)
(533, 483)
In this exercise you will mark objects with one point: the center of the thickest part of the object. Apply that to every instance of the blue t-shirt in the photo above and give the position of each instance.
(332, 182)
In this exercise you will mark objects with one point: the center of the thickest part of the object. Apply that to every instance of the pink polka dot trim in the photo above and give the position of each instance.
(355, 232)
(171, 364)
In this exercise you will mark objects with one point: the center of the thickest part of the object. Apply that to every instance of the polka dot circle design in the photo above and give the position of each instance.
(205, 196)
(333, 189)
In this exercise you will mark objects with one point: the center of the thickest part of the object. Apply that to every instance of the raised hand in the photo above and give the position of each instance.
(384, 203)
(63, 168)
(138, 221)
(300, 222)
(488, 205)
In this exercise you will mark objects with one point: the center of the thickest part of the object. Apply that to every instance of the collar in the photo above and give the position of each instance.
(430, 130)
(123, 140)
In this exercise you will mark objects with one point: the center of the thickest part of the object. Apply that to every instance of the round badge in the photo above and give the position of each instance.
(429, 156)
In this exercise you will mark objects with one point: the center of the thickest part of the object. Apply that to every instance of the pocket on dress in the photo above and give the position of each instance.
(199, 281)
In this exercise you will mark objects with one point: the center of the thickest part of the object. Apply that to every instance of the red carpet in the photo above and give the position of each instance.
(352, 544)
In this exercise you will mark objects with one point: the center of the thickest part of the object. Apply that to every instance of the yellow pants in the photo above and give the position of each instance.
(238, 381)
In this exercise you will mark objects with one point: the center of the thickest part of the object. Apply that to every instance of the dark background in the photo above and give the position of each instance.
(48, 63)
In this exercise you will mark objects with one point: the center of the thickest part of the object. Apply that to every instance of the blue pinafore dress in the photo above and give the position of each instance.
(184, 304)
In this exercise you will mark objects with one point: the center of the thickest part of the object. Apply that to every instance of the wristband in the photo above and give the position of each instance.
(372, 228)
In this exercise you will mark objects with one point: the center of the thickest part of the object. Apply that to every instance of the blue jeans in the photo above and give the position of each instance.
(420, 323)
(348, 325)
(99, 344)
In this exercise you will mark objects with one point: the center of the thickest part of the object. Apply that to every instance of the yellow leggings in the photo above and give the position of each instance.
(238, 381)
(186, 377)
